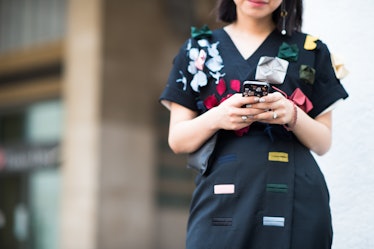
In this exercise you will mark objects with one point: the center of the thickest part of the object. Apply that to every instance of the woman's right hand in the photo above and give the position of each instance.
(236, 112)
(188, 131)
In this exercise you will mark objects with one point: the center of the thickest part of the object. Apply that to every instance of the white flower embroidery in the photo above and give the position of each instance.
(199, 80)
(183, 80)
(198, 58)
(199, 62)
(217, 76)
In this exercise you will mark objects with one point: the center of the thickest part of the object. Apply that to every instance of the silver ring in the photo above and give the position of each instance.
(244, 118)
(275, 115)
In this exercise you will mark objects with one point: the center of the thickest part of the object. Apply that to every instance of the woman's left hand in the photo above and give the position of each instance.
(277, 109)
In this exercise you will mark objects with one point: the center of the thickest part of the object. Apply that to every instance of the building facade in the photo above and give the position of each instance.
(84, 161)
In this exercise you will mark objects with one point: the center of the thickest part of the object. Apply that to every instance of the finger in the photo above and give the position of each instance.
(271, 97)
(250, 111)
(271, 117)
(249, 100)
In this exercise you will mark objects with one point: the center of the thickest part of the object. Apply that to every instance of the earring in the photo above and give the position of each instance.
(283, 15)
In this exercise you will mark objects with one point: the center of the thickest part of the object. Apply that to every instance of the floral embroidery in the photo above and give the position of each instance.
(182, 80)
(199, 80)
(199, 62)
(221, 87)
(235, 85)
(288, 52)
(204, 61)
(210, 102)
(310, 42)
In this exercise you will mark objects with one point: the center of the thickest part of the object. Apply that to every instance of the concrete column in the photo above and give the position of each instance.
(81, 145)
(127, 178)
(109, 168)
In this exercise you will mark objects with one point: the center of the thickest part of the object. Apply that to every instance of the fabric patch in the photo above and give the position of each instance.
(307, 74)
(203, 32)
(339, 67)
(289, 52)
(272, 70)
(273, 221)
(301, 100)
(224, 189)
(310, 42)
(277, 188)
(278, 157)
(226, 159)
(222, 221)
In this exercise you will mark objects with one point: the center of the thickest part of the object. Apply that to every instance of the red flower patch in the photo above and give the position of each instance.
(221, 87)
(235, 85)
(210, 102)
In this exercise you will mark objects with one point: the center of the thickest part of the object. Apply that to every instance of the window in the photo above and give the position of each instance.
(25, 23)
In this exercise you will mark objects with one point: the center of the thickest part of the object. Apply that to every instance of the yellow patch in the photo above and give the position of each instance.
(310, 42)
(278, 157)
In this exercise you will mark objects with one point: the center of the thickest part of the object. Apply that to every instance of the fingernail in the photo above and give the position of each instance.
(261, 100)
(248, 105)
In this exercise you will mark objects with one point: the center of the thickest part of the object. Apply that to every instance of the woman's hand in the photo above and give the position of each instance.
(188, 131)
(277, 109)
(236, 112)
(315, 133)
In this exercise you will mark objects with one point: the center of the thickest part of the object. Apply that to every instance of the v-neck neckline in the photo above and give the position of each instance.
(256, 51)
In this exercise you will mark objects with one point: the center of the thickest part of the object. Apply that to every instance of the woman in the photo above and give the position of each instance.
(262, 188)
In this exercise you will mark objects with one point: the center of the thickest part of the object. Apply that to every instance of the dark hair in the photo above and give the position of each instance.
(226, 12)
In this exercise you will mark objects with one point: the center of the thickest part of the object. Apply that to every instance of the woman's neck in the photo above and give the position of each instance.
(248, 36)
(253, 27)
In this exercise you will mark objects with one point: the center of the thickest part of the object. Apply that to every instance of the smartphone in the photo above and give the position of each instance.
(255, 88)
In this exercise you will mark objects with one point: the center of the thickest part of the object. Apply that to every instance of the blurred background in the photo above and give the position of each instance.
(84, 160)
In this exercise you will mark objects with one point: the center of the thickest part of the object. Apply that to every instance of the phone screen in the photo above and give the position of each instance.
(255, 88)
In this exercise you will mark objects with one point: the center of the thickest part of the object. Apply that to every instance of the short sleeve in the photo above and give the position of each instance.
(327, 88)
(178, 88)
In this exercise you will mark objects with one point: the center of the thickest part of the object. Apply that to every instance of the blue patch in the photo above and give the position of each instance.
(227, 159)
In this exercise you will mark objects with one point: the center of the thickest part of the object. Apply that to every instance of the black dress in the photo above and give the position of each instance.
(262, 189)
